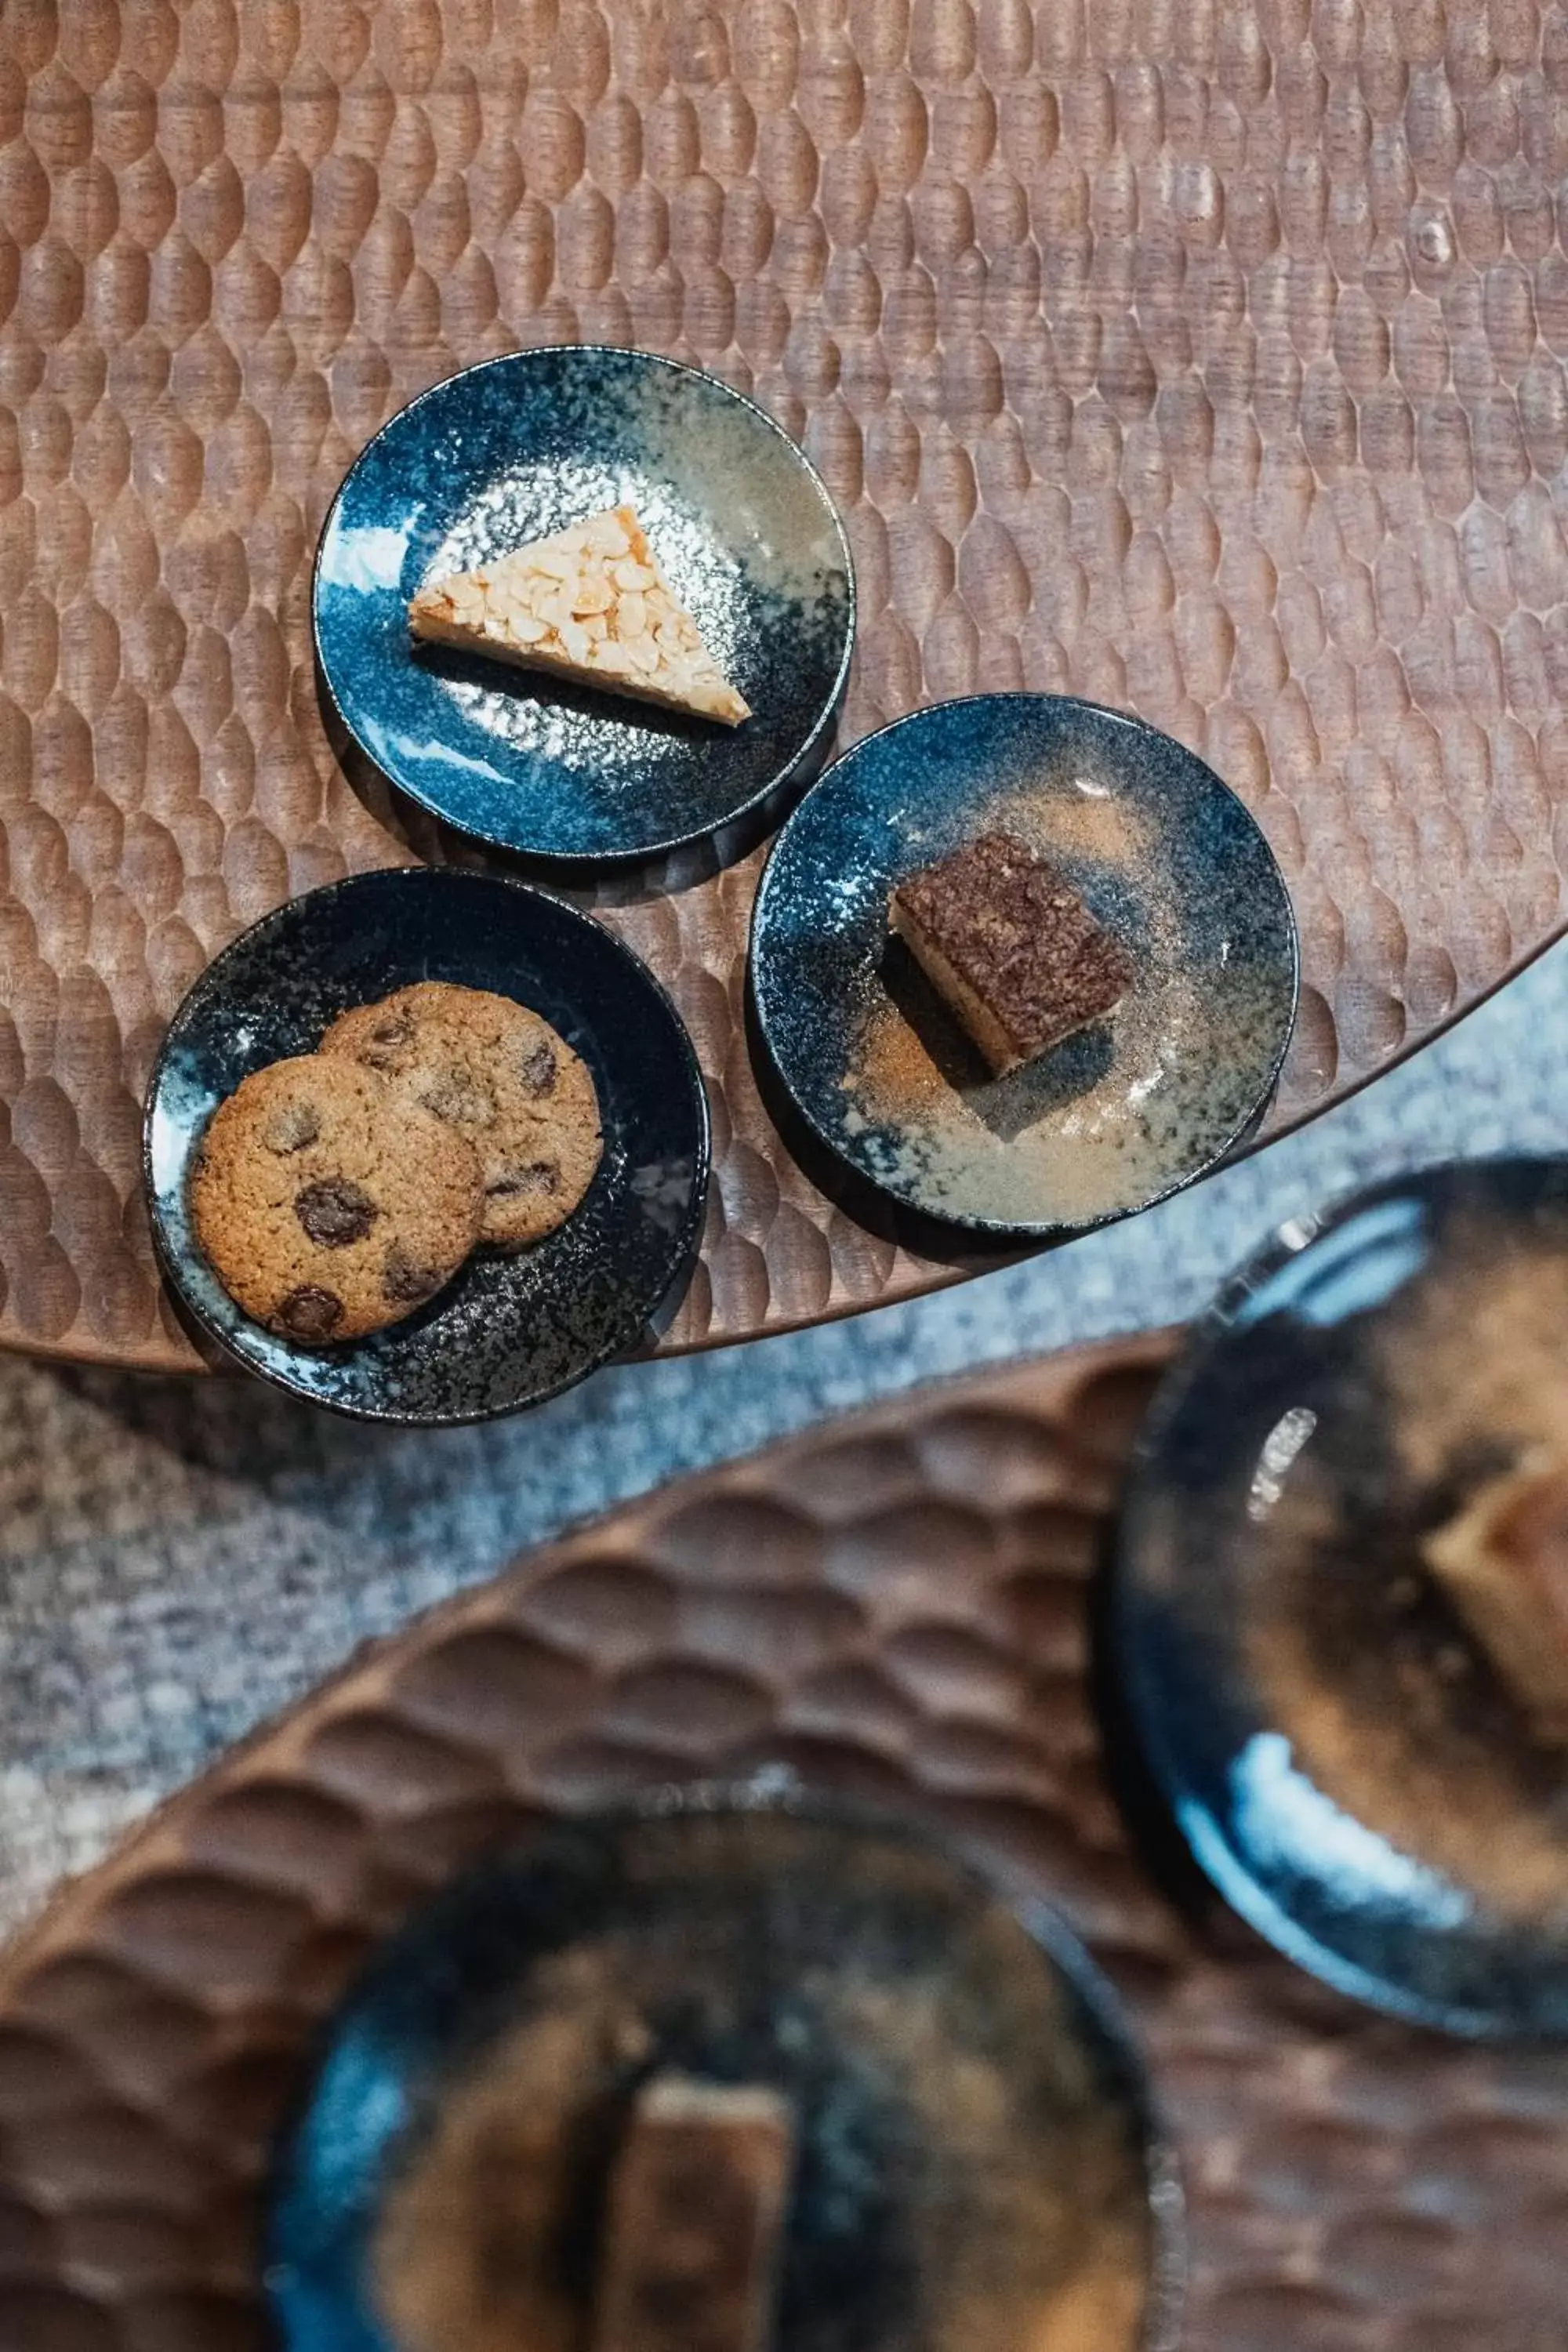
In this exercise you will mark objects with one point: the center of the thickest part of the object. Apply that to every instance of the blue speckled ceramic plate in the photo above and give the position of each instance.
(1347, 1763)
(508, 1331)
(1115, 1118)
(851, 1963)
(742, 524)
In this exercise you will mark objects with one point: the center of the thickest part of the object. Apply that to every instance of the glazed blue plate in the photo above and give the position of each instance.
(971, 2118)
(508, 1331)
(1113, 1118)
(1344, 1758)
(515, 447)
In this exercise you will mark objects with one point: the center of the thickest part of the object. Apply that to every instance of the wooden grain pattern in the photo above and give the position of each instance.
(893, 1606)
(1201, 356)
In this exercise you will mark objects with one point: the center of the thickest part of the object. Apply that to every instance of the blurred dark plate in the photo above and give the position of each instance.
(508, 1331)
(1112, 1119)
(1343, 1758)
(974, 2132)
(515, 447)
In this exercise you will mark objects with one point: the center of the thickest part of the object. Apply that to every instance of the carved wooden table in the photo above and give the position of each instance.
(1203, 359)
(895, 1606)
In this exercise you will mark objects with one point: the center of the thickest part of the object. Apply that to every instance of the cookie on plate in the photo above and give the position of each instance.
(327, 1204)
(498, 1075)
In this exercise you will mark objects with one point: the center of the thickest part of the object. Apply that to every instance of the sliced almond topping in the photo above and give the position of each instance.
(588, 602)
(629, 573)
(607, 533)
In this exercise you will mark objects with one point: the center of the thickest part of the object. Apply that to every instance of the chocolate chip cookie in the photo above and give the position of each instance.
(498, 1075)
(327, 1203)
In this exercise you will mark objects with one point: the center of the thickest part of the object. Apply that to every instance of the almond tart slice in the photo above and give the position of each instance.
(588, 603)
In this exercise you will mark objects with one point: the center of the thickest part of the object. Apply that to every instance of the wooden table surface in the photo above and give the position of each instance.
(1203, 358)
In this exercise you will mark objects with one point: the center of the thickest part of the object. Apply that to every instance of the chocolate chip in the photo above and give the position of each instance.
(405, 1280)
(290, 1127)
(539, 1068)
(386, 1041)
(539, 1176)
(310, 1312)
(459, 1099)
(335, 1211)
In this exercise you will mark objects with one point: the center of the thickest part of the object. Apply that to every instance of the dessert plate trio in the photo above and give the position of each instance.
(431, 1145)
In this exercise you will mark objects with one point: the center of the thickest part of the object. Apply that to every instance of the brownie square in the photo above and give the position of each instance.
(1011, 948)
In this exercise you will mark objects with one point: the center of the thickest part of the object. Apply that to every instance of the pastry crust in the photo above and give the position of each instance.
(588, 603)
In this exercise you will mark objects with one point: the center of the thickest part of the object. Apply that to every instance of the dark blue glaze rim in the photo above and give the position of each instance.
(685, 1244)
(994, 1228)
(992, 1874)
(1209, 1846)
(762, 804)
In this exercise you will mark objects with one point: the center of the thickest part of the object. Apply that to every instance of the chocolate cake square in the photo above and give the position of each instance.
(695, 2218)
(1011, 948)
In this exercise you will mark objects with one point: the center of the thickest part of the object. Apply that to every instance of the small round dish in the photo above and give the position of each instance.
(508, 1331)
(1168, 860)
(517, 448)
(976, 2158)
(1333, 1733)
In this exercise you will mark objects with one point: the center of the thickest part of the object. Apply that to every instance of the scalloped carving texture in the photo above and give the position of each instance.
(895, 1606)
(1206, 359)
